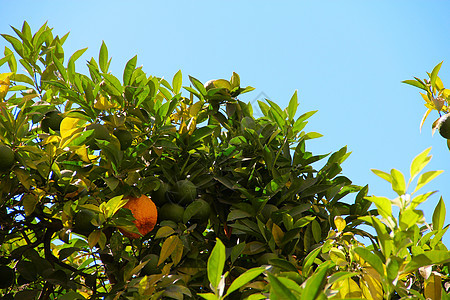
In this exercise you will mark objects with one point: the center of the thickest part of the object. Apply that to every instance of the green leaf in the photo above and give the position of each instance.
(129, 69)
(425, 178)
(292, 107)
(371, 258)
(216, 263)
(176, 82)
(103, 58)
(235, 81)
(168, 247)
(164, 231)
(383, 175)
(439, 215)
(237, 251)
(209, 296)
(398, 182)
(419, 162)
(309, 260)
(198, 85)
(29, 202)
(114, 204)
(244, 278)
(313, 285)
(279, 289)
(416, 83)
(434, 74)
(432, 257)
(409, 218)
(383, 205)
(60, 68)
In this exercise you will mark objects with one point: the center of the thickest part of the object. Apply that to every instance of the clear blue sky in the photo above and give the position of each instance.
(346, 58)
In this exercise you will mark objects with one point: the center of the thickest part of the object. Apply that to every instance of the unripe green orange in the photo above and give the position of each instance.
(100, 133)
(125, 138)
(184, 191)
(83, 224)
(444, 126)
(52, 120)
(172, 212)
(203, 211)
(6, 158)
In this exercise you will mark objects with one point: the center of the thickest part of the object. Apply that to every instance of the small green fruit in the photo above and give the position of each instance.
(185, 191)
(83, 223)
(52, 120)
(159, 196)
(125, 138)
(444, 126)
(100, 133)
(6, 158)
(172, 212)
(202, 214)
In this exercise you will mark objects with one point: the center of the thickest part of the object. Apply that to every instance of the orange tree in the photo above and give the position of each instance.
(119, 188)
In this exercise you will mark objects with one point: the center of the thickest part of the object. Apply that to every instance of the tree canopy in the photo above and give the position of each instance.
(136, 187)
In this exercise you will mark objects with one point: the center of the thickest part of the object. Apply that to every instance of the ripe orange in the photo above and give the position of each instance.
(145, 213)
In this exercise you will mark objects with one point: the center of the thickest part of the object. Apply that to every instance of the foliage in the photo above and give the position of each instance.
(436, 97)
(256, 217)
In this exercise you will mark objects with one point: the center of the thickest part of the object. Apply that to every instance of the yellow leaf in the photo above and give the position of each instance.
(338, 257)
(348, 288)
(4, 84)
(340, 223)
(433, 287)
(424, 118)
(371, 286)
(70, 125)
(83, 154)
(192, 125)
(102, 103)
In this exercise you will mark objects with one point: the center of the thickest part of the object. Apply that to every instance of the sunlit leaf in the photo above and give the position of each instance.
(439, 215)
(425, 178)
(216, 263)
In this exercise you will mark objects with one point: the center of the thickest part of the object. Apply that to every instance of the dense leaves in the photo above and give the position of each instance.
(243, 210)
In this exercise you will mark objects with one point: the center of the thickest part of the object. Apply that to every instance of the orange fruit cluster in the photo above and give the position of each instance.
(145, 213)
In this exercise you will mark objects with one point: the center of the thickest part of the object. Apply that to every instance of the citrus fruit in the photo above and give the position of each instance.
(444, 126)
(6, 277)
(145, 213)
(125, 138)
(100, 133)
(83, 223)
(203, 211)
(172, 211)
(160, 195)
(185, 191)
(152, 266)
(51, 120)
(6, 158)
